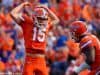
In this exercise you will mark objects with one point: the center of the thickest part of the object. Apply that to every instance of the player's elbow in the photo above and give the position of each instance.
(13, 15)
(55, 22)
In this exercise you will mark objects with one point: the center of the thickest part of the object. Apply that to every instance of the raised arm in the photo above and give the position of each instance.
(16, 13)
(53, 17)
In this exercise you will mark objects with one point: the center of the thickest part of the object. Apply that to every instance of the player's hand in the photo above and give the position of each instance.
(27, 4)
(42, 6)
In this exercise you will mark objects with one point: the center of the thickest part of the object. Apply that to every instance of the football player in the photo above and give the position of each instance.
(89, 45)
(35, 23)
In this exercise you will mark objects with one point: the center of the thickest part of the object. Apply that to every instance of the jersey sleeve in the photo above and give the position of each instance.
(85, 42)
(88, 49)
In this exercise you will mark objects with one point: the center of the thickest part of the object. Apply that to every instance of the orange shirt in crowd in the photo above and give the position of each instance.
(76, 9)
(65, 11)
(62, 6)
(86, 12)
(8, 18)
(3, 18)
(8, 45)
(2, 66)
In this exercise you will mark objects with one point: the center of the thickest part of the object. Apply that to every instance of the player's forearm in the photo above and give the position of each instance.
(17, 10)
(53, 17)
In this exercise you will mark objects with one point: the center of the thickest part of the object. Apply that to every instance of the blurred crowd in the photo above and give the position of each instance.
(12, 49)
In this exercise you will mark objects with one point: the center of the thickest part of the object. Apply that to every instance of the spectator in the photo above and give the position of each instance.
(60, 65)
(87, 12)
(2, 66)
(65, 12)
(62, 38)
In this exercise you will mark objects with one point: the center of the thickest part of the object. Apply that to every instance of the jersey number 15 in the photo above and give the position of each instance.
(38, 35)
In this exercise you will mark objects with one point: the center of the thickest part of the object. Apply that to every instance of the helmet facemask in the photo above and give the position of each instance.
(40, 22)
(41, 18)
(75, 36)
